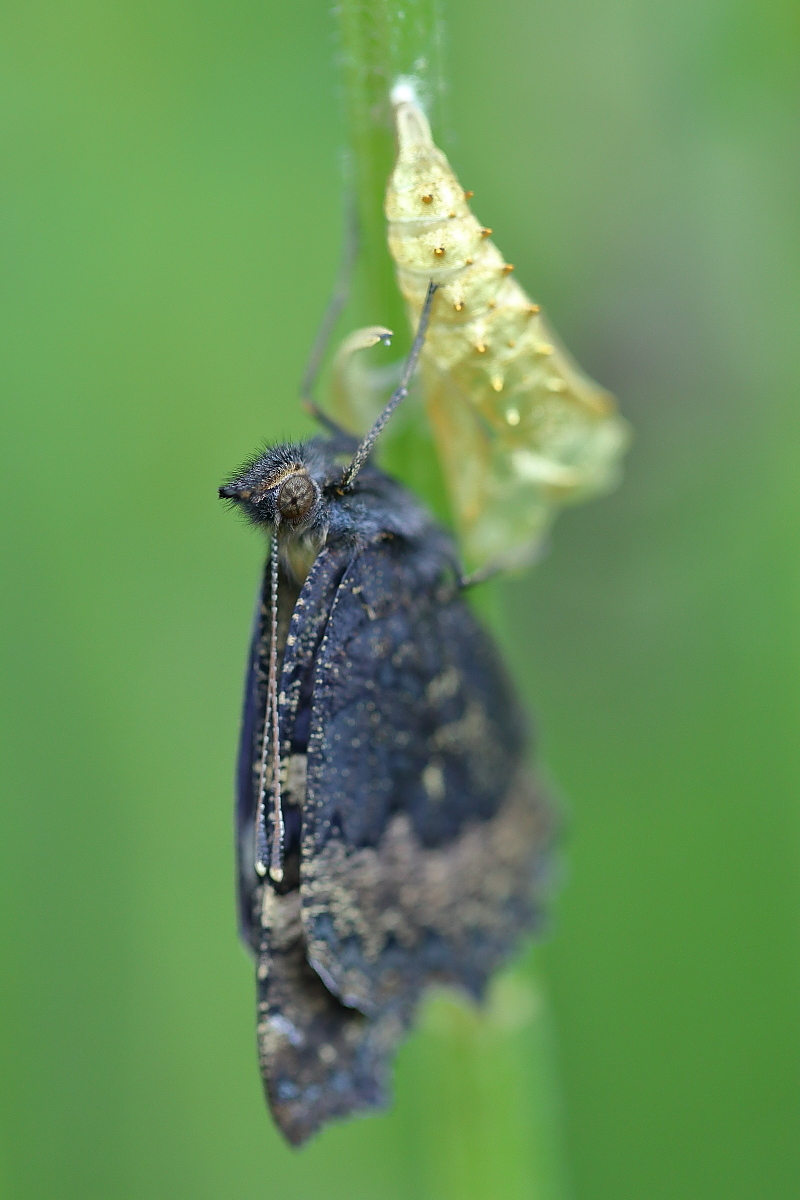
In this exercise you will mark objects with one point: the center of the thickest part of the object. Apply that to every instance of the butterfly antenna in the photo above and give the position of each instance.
(271, 858)
(365, 449)
(262, 848)
(276, 854)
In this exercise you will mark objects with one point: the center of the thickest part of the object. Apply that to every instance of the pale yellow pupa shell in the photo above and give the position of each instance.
(519, 428)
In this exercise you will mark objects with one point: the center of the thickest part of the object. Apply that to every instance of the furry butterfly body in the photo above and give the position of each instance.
(414, 839)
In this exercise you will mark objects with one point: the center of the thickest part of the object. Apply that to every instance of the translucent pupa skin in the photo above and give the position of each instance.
(519, 428)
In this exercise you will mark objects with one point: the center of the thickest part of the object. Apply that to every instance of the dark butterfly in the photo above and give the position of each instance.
(389, 834)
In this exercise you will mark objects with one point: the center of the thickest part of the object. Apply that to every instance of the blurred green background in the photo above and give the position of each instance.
(171, 197)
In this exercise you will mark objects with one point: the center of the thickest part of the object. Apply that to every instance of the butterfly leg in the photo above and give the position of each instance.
(482, 575)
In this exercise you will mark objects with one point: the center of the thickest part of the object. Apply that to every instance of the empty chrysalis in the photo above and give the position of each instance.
(519, 428)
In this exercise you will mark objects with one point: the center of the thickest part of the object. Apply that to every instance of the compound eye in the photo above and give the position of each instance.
(296, 498)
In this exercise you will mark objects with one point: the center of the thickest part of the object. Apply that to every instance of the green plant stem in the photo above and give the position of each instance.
(499, 1129)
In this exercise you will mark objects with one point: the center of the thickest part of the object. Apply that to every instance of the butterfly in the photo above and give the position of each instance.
(390, 835)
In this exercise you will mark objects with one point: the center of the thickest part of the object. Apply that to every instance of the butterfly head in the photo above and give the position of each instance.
(278, 487)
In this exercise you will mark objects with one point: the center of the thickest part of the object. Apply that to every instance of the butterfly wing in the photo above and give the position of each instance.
(423, 837)
(319, 1060)
(251, 732)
